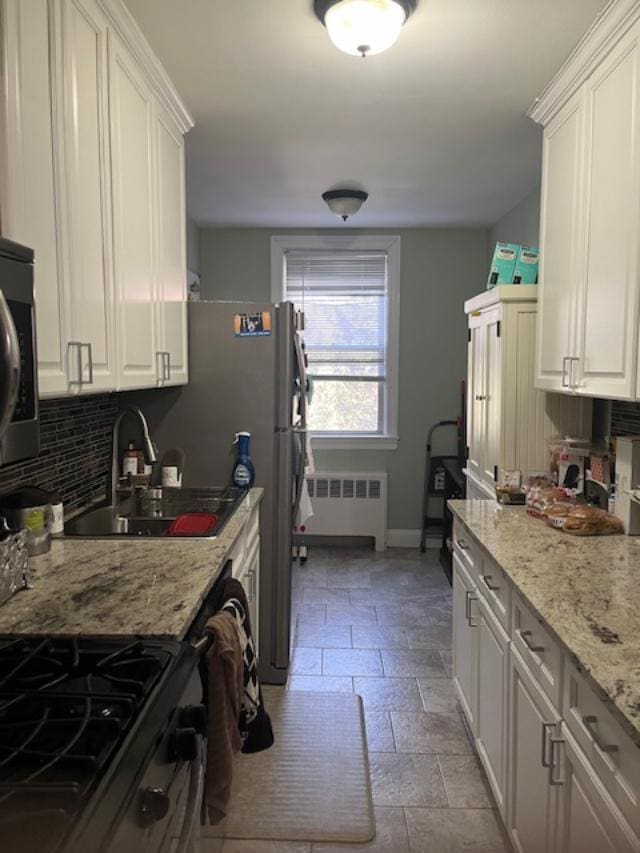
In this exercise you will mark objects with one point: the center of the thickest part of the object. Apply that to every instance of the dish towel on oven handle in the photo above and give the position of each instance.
(254, 723)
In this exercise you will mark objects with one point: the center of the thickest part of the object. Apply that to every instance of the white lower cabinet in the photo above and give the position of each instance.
(533, 799)
(492, 705)
(245, 558)
(589, 821)
(465, 639)
(564, 773)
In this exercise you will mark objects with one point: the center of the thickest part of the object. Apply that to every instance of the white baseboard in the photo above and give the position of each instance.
(409, 539)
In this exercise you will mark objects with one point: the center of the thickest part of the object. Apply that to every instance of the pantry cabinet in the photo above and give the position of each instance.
(565, 775)
(508, 420)
(590, 215)
(94, 159)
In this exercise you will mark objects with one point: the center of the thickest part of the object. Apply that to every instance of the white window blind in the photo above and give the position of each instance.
(344, 295)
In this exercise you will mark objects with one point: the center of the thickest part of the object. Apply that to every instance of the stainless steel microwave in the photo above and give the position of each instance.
(19, 418)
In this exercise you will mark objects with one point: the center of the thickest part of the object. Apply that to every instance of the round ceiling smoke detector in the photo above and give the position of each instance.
(363, 27)
(344, 203)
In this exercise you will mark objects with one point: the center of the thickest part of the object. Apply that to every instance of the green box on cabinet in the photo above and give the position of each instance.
(503, 264)
(526, 269)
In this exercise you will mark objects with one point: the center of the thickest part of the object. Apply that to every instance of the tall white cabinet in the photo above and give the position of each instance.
(93, 156)
(508, 420)
(590, 214)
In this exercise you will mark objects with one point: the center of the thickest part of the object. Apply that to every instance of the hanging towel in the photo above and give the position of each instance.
(224, 689)
(254, 723)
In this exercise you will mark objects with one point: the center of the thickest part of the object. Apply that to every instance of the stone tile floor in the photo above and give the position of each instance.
(380, 625)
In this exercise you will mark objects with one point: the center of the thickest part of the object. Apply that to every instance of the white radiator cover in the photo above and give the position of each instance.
(348, 504)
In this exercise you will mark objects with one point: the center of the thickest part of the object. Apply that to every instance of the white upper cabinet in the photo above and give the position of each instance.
(93, 180)
(590, 214)
(558, 242)
(171, 254)
(30, 178)
(607, 331)
(131, 108)
(82, 68)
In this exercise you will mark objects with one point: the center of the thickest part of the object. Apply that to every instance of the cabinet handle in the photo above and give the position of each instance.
(469, 597)
(462, 545)
(545, 757)
(556, 742)
(160, 366)
(167, 361)
(89, 350)
(526, 639)
(591, 721)
(78, 359)
(564, 371)
(486, 579)
(481, 397)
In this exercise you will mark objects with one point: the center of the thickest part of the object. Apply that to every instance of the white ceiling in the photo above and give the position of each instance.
(434, 129)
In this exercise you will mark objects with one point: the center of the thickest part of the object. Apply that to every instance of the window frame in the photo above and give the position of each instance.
(390, 244)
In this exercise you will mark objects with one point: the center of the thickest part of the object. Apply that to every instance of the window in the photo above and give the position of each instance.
(347, 288)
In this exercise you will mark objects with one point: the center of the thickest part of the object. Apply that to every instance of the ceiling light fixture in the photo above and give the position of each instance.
(363, 27)
(344, 203)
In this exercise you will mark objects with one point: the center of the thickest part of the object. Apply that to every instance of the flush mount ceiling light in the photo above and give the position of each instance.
(363, 27)
(344, 203)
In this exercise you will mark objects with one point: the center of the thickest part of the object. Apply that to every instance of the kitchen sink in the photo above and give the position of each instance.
(150, 513)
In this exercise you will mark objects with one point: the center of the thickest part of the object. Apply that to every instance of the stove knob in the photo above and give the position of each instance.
(154, 806)
(195, 717)
(184, 743)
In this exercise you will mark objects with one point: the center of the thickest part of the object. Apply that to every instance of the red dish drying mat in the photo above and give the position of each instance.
(193, 524)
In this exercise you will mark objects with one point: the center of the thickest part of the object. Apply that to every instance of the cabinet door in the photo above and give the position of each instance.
(30, 210)
(559, 244)
(131, 115)
(607, 332)
(491, 719)
(475, 392)
(465, 643)
(171, 252)
(589, 820)
(83, 68)
(491, 402)
(252, 590)
(533, 801)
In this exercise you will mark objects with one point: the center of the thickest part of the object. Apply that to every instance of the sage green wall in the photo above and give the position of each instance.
(193, 246)
(440, 268)
(520, 225)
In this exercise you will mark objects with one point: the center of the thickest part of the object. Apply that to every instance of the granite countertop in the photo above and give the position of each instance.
(149, 587)
(585, 588)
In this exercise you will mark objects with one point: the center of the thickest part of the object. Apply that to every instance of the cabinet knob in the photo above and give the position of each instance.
(154, 806)
(184, 744)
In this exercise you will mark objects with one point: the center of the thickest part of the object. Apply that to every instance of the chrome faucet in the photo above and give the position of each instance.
(148, 448)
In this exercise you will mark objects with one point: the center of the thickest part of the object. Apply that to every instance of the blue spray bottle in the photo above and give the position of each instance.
(244, 474)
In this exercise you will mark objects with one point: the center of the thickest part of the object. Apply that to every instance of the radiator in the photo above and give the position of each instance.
(348, 505)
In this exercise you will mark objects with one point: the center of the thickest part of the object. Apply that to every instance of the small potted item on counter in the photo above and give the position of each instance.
(29, 509)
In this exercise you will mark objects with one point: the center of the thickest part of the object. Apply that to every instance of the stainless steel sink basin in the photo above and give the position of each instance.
(151, 513)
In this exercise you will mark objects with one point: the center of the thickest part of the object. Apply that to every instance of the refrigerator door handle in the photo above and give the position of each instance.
(301, 464)
(302, 378)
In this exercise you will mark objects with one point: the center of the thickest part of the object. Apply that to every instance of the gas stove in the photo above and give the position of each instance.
(81, 723)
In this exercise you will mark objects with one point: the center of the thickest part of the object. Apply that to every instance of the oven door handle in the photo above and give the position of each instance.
(194, 800)
(10, 360)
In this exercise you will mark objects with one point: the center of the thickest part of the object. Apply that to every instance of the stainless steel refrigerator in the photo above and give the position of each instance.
(246, 371)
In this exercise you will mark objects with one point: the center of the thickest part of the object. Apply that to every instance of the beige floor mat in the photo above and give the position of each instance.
(313, 784)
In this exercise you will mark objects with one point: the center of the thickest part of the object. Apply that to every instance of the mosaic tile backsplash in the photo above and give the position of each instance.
(75, 450)
(625, 418)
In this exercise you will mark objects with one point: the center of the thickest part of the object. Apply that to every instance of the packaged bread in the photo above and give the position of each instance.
(590, 521)
(557, 512)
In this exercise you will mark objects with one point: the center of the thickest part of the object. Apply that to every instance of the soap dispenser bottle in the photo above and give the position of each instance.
(244, 474)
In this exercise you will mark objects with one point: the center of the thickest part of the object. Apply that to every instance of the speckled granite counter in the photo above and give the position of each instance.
(151, 587)
(586, 589)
